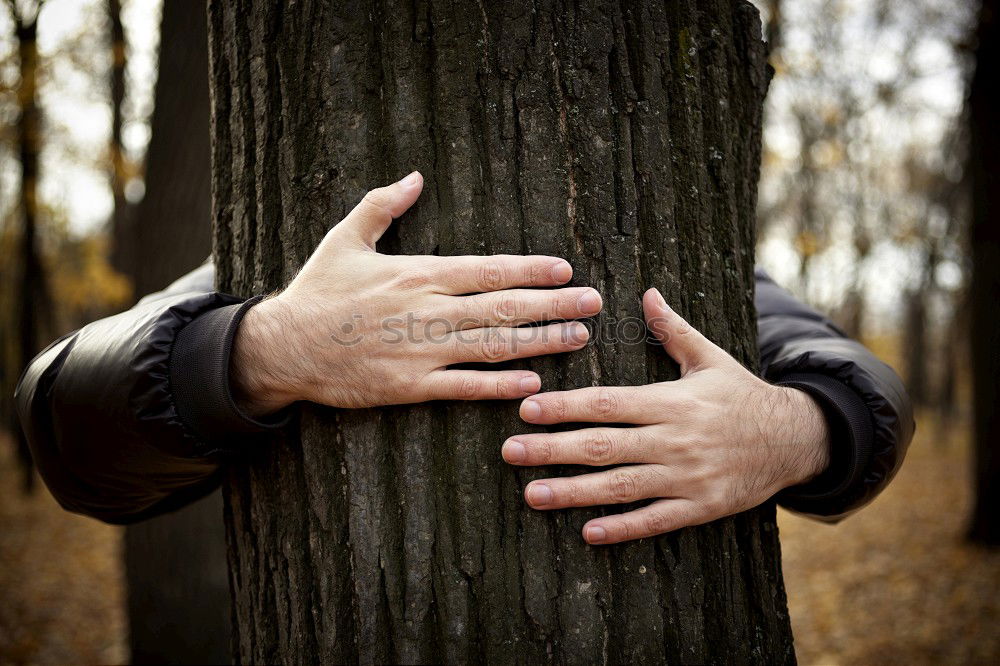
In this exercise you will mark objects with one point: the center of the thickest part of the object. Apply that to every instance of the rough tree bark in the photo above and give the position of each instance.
(984, 237)
(622, 136)
(175, 565)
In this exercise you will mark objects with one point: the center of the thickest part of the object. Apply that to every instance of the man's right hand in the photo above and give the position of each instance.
(356, 328)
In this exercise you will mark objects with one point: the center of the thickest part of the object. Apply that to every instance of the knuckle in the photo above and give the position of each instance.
(491, 276)
(506, 308)
(558, 305)
(533, 272)
(685, 406)
(599, 448)
(686, 443)
(625, 530)
(605, 402)
(541, 451)
(412, 377)
(468, 388)
(712, 501)
(656, 522)
(376, 198)
(697, 475)
(492, 347)
(622, 487)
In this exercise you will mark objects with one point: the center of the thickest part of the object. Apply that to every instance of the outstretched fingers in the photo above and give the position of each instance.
(472, 274)
(588, 446)
(597, 404)
(515, 307)
(620, 485)
(659, 517)
(481, 384)
(493, 345)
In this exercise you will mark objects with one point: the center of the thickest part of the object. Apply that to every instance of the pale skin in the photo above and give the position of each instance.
(715, 442)
(356, 328)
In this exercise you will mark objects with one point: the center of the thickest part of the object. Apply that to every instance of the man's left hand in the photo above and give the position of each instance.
(715, 442)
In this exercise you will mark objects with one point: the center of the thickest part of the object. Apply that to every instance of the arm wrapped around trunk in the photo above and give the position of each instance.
(129, 416)
(868, 411)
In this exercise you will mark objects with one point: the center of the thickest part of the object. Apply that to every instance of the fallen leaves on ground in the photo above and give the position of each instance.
(894, 584)
(60, 579)
(897, 583)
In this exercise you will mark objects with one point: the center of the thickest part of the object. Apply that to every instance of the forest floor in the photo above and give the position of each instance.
(895, 584)
(61, 589)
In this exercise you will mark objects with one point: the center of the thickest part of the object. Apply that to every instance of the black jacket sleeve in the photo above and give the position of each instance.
(867, 409)
(130, 416)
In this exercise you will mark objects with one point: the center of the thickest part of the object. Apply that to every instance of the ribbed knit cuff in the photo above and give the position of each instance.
(852, 437)
(199, 381)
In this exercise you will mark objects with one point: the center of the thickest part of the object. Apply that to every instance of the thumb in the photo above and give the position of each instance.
(370, 218)
(687, 346)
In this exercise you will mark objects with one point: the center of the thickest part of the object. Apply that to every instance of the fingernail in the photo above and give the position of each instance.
(530, 384)
(411, 180)
(660, 300)
(590, 302)
(562, 272)
(539, 494)
(512, 451)
(577, 333)
(530, 410)
(596, 534)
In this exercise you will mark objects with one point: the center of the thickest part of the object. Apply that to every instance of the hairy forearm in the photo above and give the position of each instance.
(260, 376)
(802, 428)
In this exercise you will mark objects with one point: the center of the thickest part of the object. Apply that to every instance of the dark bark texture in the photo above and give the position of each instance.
(984, 236)
(175, 565)
(624, 137)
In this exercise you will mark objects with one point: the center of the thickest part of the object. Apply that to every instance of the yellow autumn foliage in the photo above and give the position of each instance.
(83, 280)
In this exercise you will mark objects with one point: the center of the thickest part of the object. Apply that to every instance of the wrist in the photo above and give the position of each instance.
(807, 440)
(258, 376)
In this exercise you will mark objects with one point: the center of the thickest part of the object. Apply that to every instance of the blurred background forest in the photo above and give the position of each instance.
(868, 210)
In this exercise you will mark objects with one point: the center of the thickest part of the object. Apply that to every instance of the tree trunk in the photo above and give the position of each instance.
(172, 228)
(124, 250)
(32, 305)
(984, 167)
(625, 139)
(915, 344)
(178, 587)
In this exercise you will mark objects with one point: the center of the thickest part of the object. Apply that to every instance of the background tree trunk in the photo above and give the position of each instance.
(32, 303)
(622, 136)
(178, 588)
(984, 238)
(915, 343)
(123, 250)
(171, 231)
